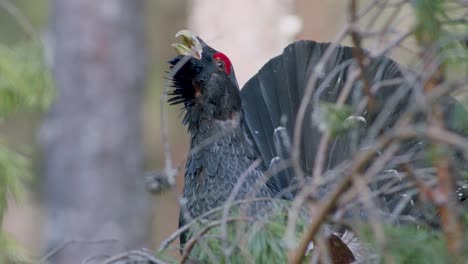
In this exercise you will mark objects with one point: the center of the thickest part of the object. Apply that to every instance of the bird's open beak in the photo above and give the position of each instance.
(190, 46)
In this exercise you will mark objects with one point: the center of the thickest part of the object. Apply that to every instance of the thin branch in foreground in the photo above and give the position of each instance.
(360, 56)
(134, 256)
(169, 171)
(296, 256)
(65, 244)
(22, 20)
(329, 203)
(446, 203)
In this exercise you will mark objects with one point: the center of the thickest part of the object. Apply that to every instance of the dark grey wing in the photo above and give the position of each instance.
(272, 97)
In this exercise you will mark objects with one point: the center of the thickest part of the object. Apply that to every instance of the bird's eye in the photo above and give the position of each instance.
(220, 64)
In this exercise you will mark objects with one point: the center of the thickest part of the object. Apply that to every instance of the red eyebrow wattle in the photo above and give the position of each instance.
(225, 59)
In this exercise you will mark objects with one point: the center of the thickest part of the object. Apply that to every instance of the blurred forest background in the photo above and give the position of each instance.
(316, 20)
(24, 219)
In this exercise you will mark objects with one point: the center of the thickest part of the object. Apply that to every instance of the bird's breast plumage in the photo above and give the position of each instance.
(220, 156)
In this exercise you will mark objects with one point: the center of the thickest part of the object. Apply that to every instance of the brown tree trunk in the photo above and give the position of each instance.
(95, 194)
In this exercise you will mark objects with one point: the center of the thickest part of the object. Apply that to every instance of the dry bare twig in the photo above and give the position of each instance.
(134, 256)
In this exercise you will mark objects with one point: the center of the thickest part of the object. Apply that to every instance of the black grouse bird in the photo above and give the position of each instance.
(230, 129)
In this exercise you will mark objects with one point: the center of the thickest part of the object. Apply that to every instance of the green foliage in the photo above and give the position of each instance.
(414, 244)
(337, 119)
(25, 85)
(263, 242)
(25, 82)
(11, 251)
(247, 242)
(13, 171)
(443, 23)
(428, 27)
(407, 244)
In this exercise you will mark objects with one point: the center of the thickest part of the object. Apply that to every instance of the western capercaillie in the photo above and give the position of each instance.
(230, 129)
(207, 86)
